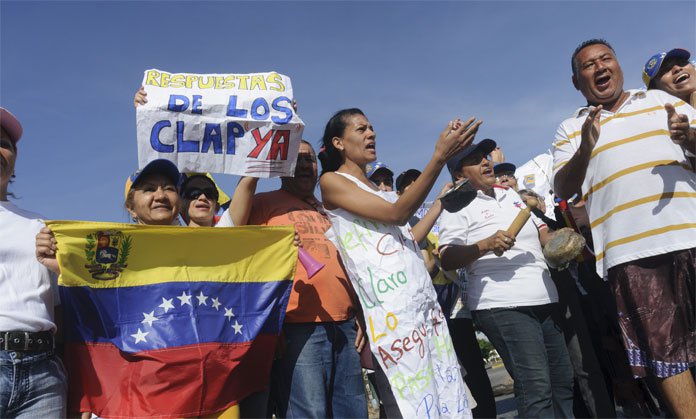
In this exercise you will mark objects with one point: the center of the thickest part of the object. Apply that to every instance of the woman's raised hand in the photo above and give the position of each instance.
(456, 136)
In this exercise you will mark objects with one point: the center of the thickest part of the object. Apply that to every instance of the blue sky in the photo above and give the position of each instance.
(69, 70)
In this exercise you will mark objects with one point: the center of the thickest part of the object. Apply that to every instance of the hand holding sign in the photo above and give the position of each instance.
(140, 97)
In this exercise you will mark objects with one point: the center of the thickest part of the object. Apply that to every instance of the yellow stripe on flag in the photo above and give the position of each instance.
(110, 255)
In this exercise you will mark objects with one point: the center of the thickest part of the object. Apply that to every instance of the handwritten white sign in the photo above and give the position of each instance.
(406, 328)
(241, 124)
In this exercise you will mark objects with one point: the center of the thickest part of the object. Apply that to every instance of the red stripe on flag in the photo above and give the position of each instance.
(184, 381)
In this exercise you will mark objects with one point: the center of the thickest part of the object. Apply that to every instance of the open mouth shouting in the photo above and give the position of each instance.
(681, 78)
(603, 81)
(487, 171)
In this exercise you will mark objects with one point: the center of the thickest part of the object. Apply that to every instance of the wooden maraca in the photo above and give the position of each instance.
(520, 219)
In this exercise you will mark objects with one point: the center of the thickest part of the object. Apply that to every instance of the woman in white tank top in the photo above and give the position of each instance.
(405, 325)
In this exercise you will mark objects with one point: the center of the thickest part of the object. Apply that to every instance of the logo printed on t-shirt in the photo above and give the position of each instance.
(529, 181)
(487, 214)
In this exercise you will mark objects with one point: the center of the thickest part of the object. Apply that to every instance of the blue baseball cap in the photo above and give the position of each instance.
(163, 167)
(371, 168)
(652, 67)
(504, 168)
(485, 147)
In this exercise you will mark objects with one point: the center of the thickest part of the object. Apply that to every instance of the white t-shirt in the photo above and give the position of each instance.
(520, 276)
(225, 219)
(639, 188)
(28, 290)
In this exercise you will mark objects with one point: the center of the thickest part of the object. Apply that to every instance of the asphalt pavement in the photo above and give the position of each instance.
(502, 386)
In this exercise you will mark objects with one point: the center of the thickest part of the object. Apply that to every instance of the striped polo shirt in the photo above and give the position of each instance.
(640, 189)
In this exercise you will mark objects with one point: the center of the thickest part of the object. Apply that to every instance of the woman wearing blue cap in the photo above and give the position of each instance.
(673, 73)
(152, 194)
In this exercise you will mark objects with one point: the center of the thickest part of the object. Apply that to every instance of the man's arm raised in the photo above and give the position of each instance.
(568, 180)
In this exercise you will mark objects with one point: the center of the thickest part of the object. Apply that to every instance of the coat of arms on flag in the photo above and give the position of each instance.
(174, 321)
(106, 253)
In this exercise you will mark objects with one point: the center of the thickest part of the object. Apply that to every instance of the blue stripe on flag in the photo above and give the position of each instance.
(173, 314)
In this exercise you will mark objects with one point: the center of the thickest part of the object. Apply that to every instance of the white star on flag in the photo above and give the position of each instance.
(216, 304)
(228, 313)
(140, 336)
(237, 327)
(149, 318)
(185, 299)
(166, 304)
(202, 299)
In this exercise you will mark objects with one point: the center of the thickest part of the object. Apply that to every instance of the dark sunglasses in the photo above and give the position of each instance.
(387, 181)
(194, 193)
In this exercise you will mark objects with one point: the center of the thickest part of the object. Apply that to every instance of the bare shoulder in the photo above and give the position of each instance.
(333, 185)
(329, 178)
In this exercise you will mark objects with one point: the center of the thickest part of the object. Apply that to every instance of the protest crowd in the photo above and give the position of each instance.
(578, 266)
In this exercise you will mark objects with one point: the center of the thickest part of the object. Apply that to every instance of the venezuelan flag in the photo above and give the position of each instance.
(170, 321)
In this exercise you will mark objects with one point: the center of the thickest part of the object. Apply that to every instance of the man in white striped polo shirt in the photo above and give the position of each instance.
(625, 154)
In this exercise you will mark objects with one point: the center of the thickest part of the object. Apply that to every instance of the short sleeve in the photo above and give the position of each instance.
(454, 229)
(562, 150)
(538, 222)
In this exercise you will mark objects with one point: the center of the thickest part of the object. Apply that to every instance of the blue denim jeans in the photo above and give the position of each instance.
(319, 375)
(531, 344)
(32, 385)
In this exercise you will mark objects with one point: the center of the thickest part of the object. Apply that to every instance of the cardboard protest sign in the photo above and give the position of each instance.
(241, 124)
(406, 327)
